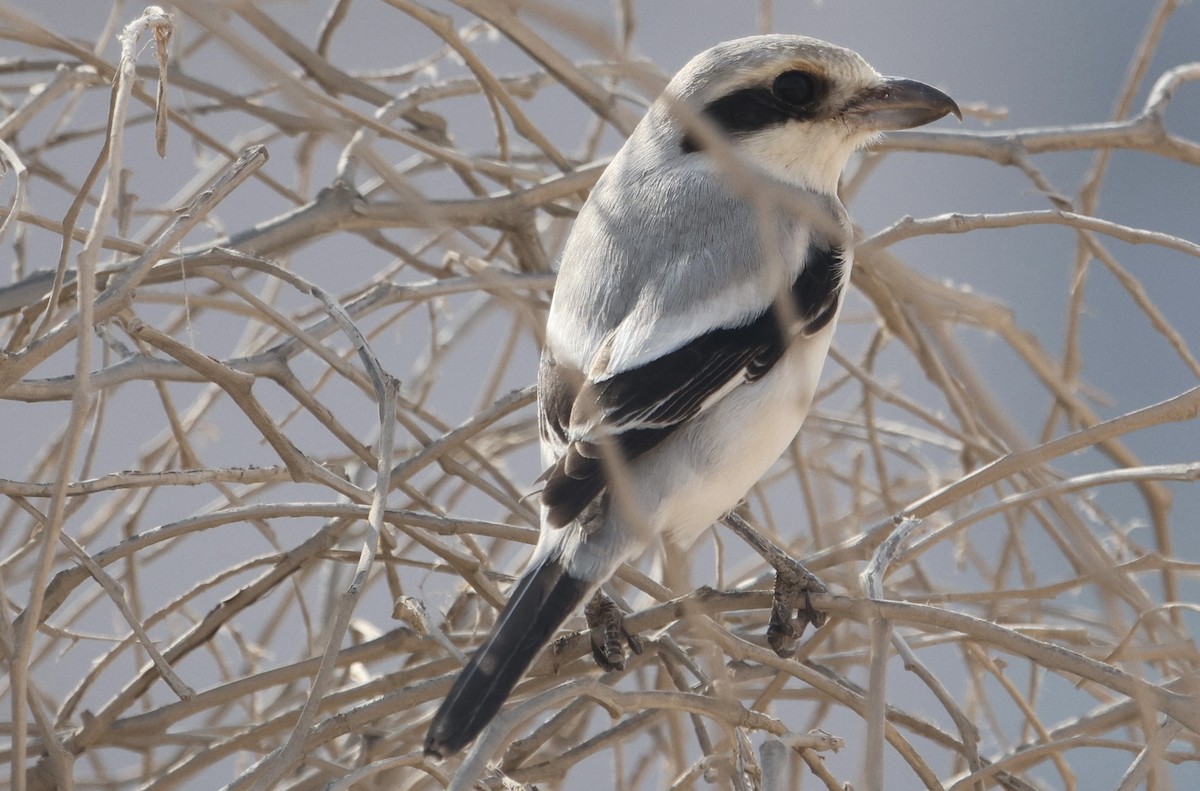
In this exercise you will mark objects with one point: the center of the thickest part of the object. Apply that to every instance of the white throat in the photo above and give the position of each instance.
(812, 157)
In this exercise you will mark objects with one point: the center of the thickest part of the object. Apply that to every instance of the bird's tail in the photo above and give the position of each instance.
(543, 598)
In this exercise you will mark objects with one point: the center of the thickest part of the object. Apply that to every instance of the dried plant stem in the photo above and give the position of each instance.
(201, 581)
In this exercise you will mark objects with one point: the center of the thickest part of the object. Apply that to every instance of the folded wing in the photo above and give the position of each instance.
(624, 414)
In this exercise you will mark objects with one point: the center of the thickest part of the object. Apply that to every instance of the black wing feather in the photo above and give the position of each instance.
(641, 407)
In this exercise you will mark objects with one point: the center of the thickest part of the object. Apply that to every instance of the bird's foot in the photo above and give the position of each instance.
(606, 623)
(794, 586)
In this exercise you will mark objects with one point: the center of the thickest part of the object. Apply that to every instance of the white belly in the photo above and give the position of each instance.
(704, 469)
(699, 473)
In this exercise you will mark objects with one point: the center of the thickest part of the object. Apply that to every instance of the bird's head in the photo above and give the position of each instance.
(796, 106)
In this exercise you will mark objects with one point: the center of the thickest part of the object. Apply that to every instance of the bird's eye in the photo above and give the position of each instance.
(796, 88)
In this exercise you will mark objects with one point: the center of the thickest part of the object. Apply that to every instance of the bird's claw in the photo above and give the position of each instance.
(606, 624)
(794, 586)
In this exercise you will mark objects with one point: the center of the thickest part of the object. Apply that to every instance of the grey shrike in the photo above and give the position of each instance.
(689, 324)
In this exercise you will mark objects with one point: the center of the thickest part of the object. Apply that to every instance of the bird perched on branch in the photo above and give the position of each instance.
(692, 314)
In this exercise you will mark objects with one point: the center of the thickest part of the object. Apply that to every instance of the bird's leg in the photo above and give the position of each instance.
(606, 623)
(794, 586)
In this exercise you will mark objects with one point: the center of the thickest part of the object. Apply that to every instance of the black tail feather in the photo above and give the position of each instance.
(543, 598)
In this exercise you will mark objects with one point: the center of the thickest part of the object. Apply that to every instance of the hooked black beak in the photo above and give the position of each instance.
(897, 103)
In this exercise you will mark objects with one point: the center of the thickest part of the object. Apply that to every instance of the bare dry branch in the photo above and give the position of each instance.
(218, 371)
